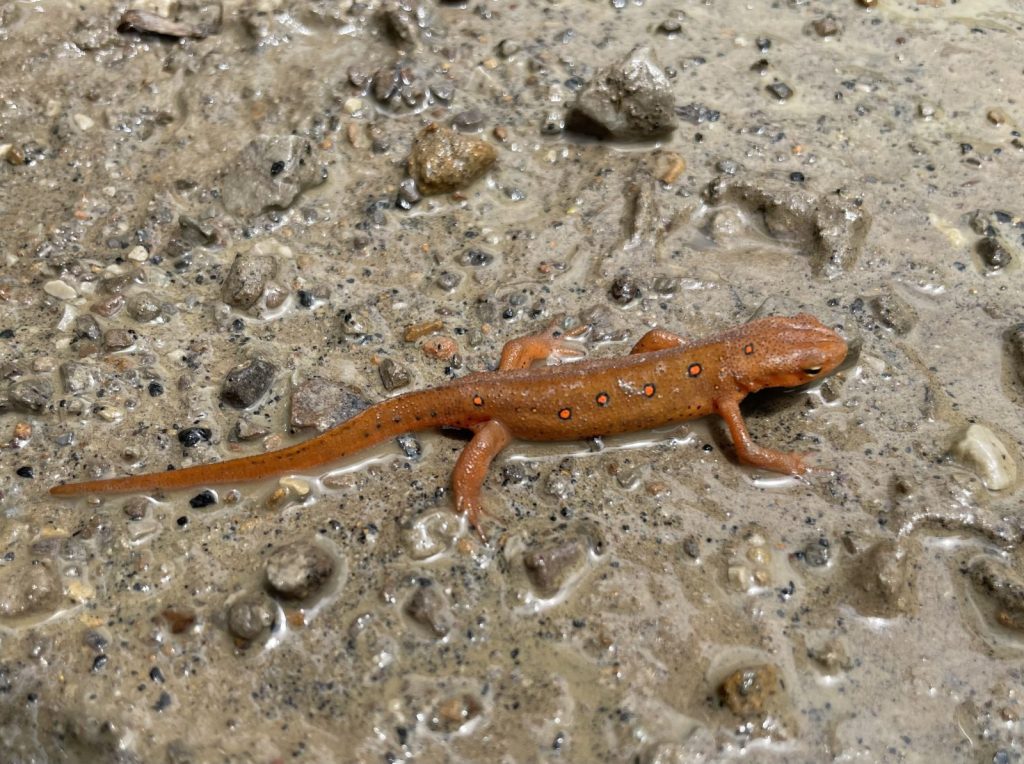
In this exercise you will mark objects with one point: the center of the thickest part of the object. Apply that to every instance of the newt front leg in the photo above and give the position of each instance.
(748, 452)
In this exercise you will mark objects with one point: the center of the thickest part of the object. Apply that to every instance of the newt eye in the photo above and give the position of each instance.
(812, 371)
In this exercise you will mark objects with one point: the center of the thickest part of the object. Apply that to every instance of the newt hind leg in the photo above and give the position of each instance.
(657, 339)
(489, 438)
(523, 352)
(471, 468)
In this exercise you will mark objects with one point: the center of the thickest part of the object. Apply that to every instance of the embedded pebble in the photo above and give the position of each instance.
(981, 450)
(270, 172)
(247, 279)
(119, 339)
(429, 607)
(624, 289)
(780, 90)
(141, 20)
(77, 377)
(827, 26)
(31, 394)
(246, 383)
(144, 307)
(832, 657)
(250, 617)
(454, 712)
(817, 553)
(298, 570)
(469, 121)
(85, 327)
(392, 375)
(247, 428)
(550, 567)
(748, 691)
(321, 403)
(442, 160)
(60, 289)
(995, 255)
(631, 100)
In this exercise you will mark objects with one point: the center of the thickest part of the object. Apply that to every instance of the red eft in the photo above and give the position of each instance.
(664, 380)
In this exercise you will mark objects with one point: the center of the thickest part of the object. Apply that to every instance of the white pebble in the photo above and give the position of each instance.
(84, 121)
(353, 105)
(980, 449)
(60, 289)
(138, 254)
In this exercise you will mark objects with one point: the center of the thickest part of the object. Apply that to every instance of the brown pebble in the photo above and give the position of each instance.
(746, 691)
(453, 712)
(440, 347)
(676, 167)
(414, 332)
(443, 161)
(22, 432)
(997, 116)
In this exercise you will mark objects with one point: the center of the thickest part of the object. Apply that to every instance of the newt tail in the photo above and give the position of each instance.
(380, 422)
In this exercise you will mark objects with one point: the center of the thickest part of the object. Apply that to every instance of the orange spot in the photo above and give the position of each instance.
(602, 399)
(649, 390)
(478, 401)
(565, 414)
(694, 370)
(748, 348)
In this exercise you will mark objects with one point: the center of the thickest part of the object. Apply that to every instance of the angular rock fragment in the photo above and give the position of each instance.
(245, 384)
(629, 101)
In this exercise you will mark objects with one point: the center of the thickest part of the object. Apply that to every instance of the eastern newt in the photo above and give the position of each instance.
(664, 380)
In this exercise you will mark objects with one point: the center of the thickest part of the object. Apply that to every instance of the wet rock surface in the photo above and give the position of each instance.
(270, 172)
(442, 160)
(858, 161)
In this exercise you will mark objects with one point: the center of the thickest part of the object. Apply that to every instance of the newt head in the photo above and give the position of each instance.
(785, 351)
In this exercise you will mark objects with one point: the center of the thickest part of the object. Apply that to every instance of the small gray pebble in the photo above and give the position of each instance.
(144, 307)
(250, 616)
(429, 607)
(298, 570)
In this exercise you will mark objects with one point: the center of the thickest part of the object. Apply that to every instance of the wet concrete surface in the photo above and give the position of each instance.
(224, 228)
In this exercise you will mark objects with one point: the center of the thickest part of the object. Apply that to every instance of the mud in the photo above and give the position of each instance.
(205, 207)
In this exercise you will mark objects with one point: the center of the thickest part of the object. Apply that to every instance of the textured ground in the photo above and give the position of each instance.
(211, 246)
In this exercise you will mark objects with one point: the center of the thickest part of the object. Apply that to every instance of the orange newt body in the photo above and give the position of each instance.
(664, 380)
